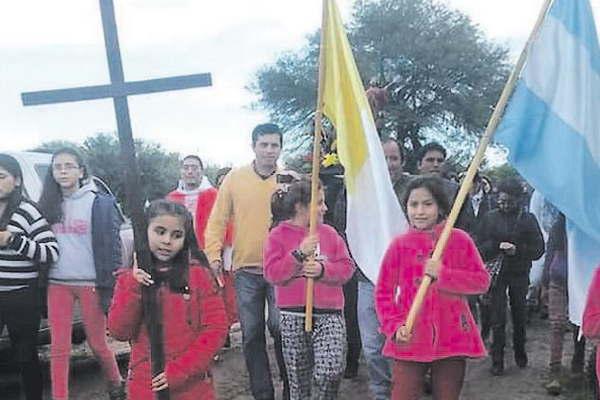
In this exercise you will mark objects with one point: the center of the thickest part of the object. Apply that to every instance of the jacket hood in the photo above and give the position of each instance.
(86, 188)
(204, 184)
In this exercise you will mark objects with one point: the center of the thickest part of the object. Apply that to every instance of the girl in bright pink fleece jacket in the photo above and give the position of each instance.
(445, 333)
(315, 362)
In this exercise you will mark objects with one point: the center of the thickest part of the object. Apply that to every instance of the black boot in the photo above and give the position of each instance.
(497, 364)
(351, 371)
(521, 357)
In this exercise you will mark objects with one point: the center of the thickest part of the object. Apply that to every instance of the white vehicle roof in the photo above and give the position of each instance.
(34, 166)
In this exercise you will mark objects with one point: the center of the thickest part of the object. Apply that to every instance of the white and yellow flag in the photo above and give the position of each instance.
(374, 215)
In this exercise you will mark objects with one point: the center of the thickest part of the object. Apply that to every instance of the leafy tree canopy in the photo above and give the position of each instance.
(440, 72)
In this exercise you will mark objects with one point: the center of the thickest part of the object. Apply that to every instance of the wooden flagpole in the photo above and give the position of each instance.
(474, 166)
(316, 167)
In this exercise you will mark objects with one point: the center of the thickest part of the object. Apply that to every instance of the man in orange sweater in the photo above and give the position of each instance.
(196, 193)
(245, 198)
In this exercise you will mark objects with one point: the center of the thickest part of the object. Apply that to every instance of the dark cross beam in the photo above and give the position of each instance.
(118, 90)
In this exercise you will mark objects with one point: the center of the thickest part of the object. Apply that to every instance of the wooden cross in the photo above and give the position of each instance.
(118, 90)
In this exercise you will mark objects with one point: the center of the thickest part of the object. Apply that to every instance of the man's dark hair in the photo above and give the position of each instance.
(433, 146)
(435, 186)
(400, 148)
(193, 157)
(511, 186)
(266, 129)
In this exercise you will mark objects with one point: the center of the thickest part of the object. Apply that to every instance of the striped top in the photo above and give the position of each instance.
(33, 243)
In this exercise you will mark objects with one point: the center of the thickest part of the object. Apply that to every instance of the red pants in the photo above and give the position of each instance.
(61, 299)
(447, 376)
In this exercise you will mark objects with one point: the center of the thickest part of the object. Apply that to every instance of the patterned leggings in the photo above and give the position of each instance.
(314, 361)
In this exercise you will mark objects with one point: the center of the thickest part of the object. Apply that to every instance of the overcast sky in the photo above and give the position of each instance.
(59, 43)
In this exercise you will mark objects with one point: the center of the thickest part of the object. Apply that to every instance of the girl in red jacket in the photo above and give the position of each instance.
(314, 361)
(445, 333)
(194, 320)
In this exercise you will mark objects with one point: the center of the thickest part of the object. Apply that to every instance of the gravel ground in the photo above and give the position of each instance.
(231, 377)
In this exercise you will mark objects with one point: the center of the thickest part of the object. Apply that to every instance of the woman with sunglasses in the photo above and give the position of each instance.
(509, 236)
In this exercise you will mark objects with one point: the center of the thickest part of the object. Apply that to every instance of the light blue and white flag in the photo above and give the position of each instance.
(552, 130)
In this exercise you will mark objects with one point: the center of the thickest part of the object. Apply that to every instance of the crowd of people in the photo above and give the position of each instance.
(229, 253)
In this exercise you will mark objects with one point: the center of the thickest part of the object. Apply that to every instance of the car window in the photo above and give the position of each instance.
(42, 170)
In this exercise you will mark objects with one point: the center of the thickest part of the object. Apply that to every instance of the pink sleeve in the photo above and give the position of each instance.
(211, 336)
(467, 275)
(125, 313)
(591, 314)
(339, 266)
(387, 308)
(279, 264)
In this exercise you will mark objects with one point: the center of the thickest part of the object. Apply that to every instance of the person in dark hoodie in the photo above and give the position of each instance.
(86, 224)
(26, 243)
(512, 239)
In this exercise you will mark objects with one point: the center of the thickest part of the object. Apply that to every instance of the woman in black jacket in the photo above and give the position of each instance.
(513, 238)
(26, 242)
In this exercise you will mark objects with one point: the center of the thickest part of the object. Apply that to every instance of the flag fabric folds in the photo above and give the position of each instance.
(374, 215)
(552, 130)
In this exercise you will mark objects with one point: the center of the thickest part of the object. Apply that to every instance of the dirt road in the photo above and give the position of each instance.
(231, 377)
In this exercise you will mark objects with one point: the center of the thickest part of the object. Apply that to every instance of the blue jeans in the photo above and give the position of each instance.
(252, 291)
(378, 366)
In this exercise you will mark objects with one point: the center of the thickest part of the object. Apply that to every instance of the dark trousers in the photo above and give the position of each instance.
(252, 291)
(20, 313)
(447, 377)
(351, 317)
(517, 286)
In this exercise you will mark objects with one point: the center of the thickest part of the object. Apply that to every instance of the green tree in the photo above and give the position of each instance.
(444, 76)
(54, 145)
(159, 169)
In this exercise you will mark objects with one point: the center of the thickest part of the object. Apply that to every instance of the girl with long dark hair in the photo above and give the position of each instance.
(445, 333)
(26, 244)
(194, 321)
(86, 224)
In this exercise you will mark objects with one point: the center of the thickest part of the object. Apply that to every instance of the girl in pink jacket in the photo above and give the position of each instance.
(445, 333)
(314, 361)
